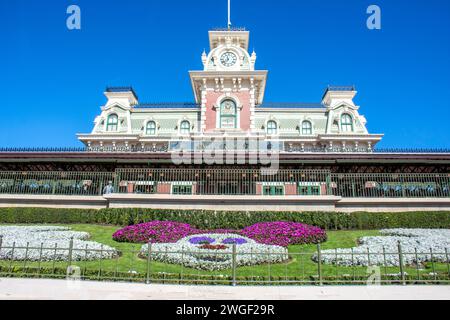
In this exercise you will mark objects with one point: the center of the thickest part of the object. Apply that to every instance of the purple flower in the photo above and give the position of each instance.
(284, 233)
(155, 232)
(201, 240)
(237, 241)
(271, 233)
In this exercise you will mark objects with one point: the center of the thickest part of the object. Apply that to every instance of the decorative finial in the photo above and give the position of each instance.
(204, 57)
(253, 57)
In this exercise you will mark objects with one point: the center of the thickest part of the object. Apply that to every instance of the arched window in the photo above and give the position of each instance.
(112, 123)
(150, 129)
(185, 127)
(306, 128)
(272, 128)
(346, 123)
(228, 114)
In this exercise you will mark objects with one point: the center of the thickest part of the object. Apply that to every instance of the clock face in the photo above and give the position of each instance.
(228, 59)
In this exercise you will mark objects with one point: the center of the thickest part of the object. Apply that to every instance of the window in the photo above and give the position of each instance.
(273, 191)
(228, 114)
(304, 190)
(181, 189)
(272, 128)
(346, 123)
(150, 130)
(112, 124)
(185, 127)
(306, 128)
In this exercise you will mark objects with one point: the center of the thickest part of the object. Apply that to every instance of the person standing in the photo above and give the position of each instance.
(108, 189)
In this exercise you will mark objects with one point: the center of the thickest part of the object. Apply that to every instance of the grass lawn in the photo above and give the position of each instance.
(300, 266)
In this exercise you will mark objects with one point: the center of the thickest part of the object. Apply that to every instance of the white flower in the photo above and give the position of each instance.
(191, 255)
(418, 246)
(50, 244)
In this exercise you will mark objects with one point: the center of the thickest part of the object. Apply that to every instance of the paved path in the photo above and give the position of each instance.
(37, 289)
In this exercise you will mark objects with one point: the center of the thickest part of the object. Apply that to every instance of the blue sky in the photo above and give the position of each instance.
(52, 79)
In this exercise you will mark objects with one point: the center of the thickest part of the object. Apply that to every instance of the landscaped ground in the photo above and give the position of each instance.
(300, 266)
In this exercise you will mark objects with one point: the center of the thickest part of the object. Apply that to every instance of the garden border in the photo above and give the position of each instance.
(203, 219)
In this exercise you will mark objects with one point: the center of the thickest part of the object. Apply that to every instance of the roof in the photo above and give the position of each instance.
(168, 105)
(338, 88)
(276, 105)
(122, 89)
(144, 157)
(193, 105)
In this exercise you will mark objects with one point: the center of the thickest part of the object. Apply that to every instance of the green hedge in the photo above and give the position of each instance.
(234, 220)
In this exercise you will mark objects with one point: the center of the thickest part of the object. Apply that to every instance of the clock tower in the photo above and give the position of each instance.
(228, 88)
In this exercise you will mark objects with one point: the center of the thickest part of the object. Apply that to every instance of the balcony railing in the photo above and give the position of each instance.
(55, 183)
(166, 148)
(411, 150)
(42, 149)
(229, 29)
(227, 182)
(341, 88)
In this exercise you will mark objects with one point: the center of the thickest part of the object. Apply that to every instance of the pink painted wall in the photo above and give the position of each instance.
(323, 189)
(290, 189)
(259, 188)
(130, 187)
(164, 188)
(211, 99)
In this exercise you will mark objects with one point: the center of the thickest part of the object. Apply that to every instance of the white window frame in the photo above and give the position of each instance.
(310, 128)
(181, 127)
(107, 123)
(217, 108)
(276, 128)
(347, 125)
(146, 128)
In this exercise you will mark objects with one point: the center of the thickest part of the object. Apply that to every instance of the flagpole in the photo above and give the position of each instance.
(229, 14)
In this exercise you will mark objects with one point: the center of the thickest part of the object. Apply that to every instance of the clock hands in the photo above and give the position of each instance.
(228, 59)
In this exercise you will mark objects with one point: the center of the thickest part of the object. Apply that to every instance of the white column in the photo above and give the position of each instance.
(203, 106)
(252, 104)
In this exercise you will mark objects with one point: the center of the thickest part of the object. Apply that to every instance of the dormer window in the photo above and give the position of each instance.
(346, 123)
(112, 123)
(150, 129)
(306, 128)
(272, 128)
(185, 127)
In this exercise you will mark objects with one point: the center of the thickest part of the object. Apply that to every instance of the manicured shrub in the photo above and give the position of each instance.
(207, 220)
(284, 233)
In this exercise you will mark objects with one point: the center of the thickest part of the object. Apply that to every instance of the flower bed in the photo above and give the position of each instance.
(269, 233)
(154, 232)
(285, 233)
(215, 257)
(55, 242)
(383, 250)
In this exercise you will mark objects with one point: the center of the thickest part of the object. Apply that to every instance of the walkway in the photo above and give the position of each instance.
(39, 289)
